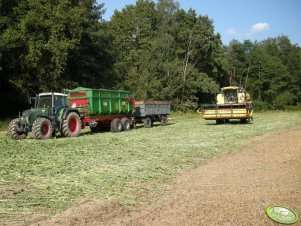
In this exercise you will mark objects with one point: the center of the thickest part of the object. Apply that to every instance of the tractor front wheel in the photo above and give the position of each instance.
(42, 128)
(71, 125)
(13, 130)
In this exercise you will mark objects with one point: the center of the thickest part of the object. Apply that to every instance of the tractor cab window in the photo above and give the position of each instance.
(59, 103)
(44, 101)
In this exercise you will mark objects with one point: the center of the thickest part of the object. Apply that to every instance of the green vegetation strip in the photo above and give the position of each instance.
(50, 176)
(4, 125)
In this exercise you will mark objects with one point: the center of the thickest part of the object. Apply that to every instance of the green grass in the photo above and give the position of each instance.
(50, 176)
(4, 124)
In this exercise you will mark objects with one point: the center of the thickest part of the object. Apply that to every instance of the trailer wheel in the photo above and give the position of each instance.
(94, 129)
(71, 125)
(116, 125)
(126, 124)
(147, 122)
(164, 120)
(12, 129)
(42, 129)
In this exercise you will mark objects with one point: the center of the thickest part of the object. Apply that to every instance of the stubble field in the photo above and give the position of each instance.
(43, 178)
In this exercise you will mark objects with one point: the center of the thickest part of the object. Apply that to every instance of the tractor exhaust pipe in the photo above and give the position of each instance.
(52, 103)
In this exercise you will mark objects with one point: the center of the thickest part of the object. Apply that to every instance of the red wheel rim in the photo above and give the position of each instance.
(45, 129)
(72, 125)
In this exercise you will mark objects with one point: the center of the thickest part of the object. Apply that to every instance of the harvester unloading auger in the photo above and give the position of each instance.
(231, 103)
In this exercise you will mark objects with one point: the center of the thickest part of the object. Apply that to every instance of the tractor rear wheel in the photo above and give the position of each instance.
(42, 128)
(116, 125)
(147, 122)
(71, 125)
(126, 124)
(12, 129)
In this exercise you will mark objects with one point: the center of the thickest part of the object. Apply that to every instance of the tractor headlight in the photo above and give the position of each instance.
(24, 119)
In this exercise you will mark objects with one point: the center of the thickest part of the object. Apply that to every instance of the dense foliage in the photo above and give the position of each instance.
(157, 50)
(270, 70)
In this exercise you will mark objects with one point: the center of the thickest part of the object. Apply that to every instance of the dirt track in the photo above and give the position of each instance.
(229, 190)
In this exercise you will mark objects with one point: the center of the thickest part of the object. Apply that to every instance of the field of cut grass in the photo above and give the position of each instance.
(46, 177)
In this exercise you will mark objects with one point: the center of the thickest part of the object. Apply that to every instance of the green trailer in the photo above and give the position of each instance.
(103, 108)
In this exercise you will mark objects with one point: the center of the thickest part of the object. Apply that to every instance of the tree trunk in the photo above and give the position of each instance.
(232, 77)
(185, 65)
(248, 71)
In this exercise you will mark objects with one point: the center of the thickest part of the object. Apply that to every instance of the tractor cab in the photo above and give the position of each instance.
(46, 105)
(54, 101)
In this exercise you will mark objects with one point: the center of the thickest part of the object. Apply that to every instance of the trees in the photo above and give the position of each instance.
(165, 52)
(270, 69)
(157, 50)
(90, 62)
(50, 45)
(133, 30)
(198, 49)
(40, 35)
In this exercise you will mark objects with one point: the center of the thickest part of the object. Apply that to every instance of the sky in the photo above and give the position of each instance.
(239, 19)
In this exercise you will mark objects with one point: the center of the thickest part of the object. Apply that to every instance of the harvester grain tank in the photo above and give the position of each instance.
(231, 103)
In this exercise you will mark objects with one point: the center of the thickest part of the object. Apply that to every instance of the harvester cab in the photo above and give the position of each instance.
(232, 95)
(49, 114)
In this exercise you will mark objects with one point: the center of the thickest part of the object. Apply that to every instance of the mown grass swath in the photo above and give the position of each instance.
(49, 176)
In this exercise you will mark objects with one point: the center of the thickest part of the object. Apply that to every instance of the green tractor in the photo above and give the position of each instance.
(50, 114)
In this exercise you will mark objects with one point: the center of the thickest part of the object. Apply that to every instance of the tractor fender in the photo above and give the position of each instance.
(63, 115)
(66, 111)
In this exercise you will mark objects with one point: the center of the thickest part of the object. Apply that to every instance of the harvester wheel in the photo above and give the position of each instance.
(12, 129)
(116, 125)
(126, 124)
(220, 121)
(147, 122)
(71, 125)
(164, 120)
(42, 128)
(243, 120)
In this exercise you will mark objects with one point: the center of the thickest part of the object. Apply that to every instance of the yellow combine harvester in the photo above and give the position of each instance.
(231, 103)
